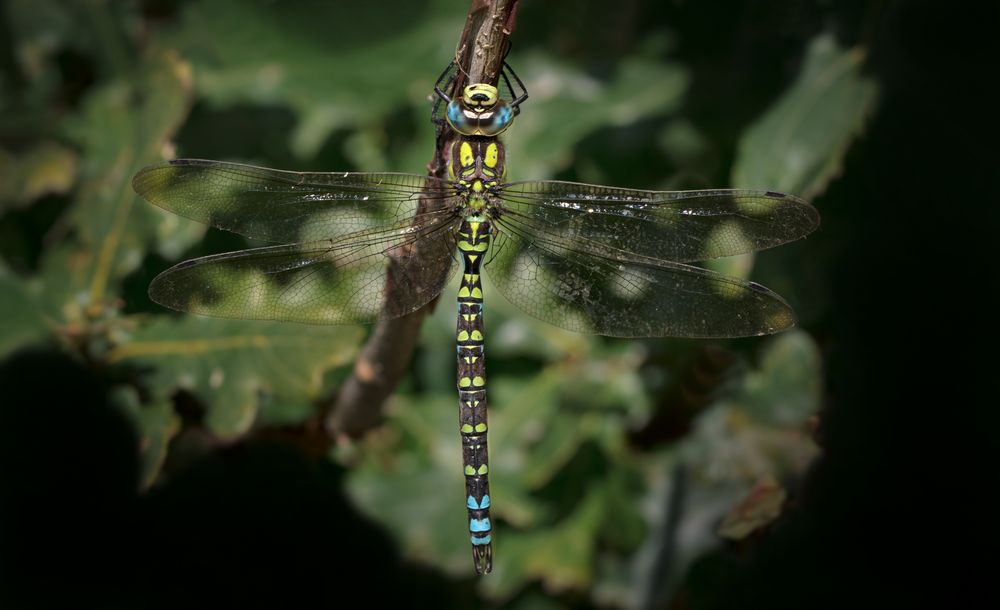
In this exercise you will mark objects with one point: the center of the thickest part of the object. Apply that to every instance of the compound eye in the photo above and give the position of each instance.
(458, 120)
(500, 119)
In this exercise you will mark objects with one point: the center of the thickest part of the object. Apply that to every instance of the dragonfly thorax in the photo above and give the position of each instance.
(476, 167)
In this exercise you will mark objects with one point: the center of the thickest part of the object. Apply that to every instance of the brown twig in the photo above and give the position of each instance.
(385, 356)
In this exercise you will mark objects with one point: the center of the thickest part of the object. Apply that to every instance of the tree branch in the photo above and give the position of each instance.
(386, 354)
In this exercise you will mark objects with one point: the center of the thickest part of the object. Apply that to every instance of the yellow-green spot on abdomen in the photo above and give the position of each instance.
(477, 336)
(465, 246)
(463, 335)
(471, 471)
(477, 381)
(464, 382)
(467, 429)
(480, 427)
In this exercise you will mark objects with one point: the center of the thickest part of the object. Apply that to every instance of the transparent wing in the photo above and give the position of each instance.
(284, 207)
(678, 226)
(591, 288)
(358, 278)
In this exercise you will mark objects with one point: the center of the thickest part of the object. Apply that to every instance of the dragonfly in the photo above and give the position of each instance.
(358, 247)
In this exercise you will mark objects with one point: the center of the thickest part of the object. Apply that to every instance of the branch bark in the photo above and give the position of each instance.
(384, 358)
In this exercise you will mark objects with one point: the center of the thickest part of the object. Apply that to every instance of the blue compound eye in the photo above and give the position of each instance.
(469, 122)
(499, 120)
(457, 119)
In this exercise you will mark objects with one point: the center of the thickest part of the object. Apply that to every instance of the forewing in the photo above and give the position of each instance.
(358, 278)
(679, 226)
(597, 290)
(284, 207)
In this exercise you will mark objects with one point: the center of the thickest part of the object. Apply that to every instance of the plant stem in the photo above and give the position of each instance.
(387, 353)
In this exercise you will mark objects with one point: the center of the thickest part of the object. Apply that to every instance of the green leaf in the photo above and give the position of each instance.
(155, 425)
(235, 365)
(47, 168)
(410, 479)
(334, 66)
(623, 526)
(755, 435)
(799, 144)
(24, 319)
(122, 126)
(562, 555)
(761, 430)
(566, 105)
(786, 387)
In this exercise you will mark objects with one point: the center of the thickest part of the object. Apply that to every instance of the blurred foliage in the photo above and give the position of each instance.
(622, 94)
(798, 145)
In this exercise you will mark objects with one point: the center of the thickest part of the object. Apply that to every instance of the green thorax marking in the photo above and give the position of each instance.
(477, 166)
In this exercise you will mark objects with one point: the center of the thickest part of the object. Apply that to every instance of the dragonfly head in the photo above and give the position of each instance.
(480, 112)
(480, 96)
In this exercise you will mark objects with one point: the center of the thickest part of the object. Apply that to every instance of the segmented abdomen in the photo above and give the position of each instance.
(473, 242)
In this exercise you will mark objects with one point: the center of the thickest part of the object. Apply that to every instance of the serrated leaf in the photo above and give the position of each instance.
(799, 144)
(234, 365)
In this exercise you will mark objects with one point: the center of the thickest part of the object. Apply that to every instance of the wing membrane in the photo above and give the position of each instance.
(679, 226)
(284, 207)
(358, 278)
(602, 291)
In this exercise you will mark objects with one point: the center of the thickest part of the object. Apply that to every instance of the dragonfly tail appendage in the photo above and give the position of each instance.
(482, 557)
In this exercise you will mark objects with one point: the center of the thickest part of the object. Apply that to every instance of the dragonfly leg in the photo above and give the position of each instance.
(437, 84)
(524, 90)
